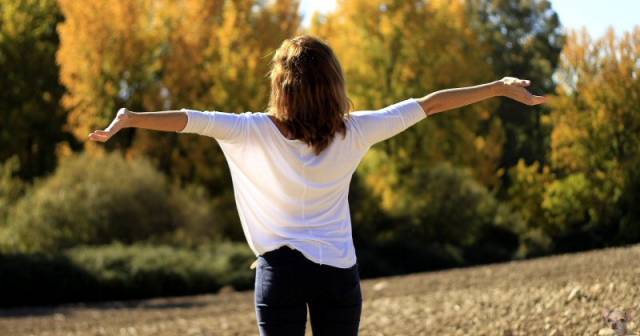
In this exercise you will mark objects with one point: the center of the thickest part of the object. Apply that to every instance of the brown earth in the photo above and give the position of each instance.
(560, 295)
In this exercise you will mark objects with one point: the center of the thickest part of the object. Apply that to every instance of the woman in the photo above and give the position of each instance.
(291, 169)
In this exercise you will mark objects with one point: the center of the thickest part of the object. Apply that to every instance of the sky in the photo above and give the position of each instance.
(596, 15)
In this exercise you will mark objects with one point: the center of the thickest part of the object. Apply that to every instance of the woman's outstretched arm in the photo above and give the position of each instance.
(448, 99)
(168, 121)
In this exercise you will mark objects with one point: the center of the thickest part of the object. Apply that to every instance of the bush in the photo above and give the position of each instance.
(525, 196)
(11, 187)
(629, 231)
(444, 204)
(566, 204)
(99, 200)
(393, 257)
(117, 272)
(31, 279)
(569, 213)
(494, 243)
(432, 218)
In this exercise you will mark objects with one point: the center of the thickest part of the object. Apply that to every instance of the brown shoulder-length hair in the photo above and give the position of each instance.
(308, 94)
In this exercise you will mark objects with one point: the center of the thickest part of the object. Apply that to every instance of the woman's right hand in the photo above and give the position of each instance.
(122, 120)
(515, 88)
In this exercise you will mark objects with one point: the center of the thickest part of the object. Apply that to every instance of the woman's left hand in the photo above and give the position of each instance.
(515, 89)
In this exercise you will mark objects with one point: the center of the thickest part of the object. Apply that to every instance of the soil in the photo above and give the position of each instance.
(559, 295)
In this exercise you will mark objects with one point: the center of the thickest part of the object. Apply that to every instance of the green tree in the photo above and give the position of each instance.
(31, 119)
(525, 40)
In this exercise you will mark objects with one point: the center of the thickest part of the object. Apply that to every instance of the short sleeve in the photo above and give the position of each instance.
(379, 125)
(219, 125)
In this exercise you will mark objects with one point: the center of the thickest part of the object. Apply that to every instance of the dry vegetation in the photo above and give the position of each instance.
(561, 295)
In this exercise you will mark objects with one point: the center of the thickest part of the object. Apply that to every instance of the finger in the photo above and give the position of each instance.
(92, 137)
(537, 100)
(102, 132)
(522, 95)
(98, 137)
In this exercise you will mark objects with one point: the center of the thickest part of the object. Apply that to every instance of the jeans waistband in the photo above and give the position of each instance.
(285, 254)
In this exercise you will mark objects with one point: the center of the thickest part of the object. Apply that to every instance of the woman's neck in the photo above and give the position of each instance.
(280, 127)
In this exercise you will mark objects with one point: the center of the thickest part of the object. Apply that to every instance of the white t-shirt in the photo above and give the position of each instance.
(285, 194)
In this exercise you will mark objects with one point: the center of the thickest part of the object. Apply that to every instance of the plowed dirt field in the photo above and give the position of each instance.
(560, 295)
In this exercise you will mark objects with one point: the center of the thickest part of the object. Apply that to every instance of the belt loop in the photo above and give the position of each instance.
(254, 264)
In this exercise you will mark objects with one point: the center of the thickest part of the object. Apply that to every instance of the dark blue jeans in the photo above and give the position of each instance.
(287, 283)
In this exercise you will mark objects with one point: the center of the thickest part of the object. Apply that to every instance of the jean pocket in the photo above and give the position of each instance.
(277, 284)
(346, 285)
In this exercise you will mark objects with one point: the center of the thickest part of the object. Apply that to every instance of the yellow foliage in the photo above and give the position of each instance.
(597, 109)
(101, 44)
(527, 191)
(391, 51)
(153, 55)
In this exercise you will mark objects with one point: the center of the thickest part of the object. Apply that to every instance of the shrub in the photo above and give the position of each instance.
(433, 217)
(525, 196)
(444, 204)
(630, 222)
(574, 212)
(37, 278)
(117, 272)
(584, 212)
(11, 187)
(98, 200)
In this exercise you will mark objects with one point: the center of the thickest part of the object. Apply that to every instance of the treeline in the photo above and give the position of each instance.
(490, 182)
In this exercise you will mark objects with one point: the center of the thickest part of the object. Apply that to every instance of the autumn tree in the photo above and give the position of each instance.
(587, 195)
(393, 50)
(159, 55)
(597, 119)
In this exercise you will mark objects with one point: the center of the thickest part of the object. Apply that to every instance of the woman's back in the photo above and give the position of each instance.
(287, 194)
